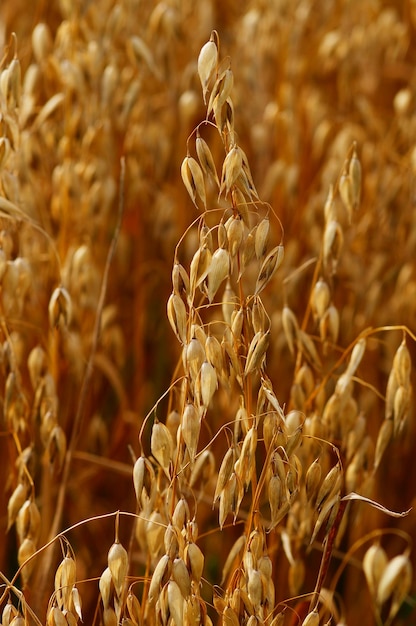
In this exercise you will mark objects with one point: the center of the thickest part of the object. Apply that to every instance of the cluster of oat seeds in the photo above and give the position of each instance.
(280, 484)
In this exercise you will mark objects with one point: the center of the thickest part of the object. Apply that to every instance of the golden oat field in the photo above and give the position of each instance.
(207, 312)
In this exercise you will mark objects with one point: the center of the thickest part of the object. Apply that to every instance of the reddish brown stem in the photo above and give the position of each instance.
(326, 557)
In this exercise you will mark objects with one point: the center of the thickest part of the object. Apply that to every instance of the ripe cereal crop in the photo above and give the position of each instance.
(207, 313)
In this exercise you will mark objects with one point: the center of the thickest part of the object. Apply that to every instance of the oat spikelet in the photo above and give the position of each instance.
(346, 192)
(374, 563)
(181, 576)
(327, 514)
(218, 271)
(229, 617)
(194, 559)
(209, 383)
(190, 427)
(162, 567)
(214, 353)
(312, 619)
(402, 364)
(207, 63)
(104, 585)
(26, 550)
(193, 179)
(312, 480)
(255, 587)
(206, 159)
(329, 325)
(236, 551)
(257, 351)
(235, 234)
(262, 237)
(224, 473)
(246, 462)
(402, 588)
(356, 356)
(270, 264)
(200, 265)
(41, 41)
(332, 245)
(180, 280)
(290, 328)
(15, 503)
(176, 603)
(9, 613)
(231, 169)
(307, 347)
(28, 521)
(275, 497)
(162, 445)
(60, 308)
(330, 485)
(194, 357)
(65, 581)
(118, 563)
(396, 575)
(355, 174)
(249, 248)
(176, 312)
(228, 499)
(320, 299)
(134, 609)
(220, 102)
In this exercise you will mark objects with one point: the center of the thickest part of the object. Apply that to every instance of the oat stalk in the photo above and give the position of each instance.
(60, 502)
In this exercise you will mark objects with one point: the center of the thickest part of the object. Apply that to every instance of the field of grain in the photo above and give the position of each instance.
(207, 312)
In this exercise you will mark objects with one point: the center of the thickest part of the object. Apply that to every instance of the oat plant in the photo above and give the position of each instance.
(265, 197)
